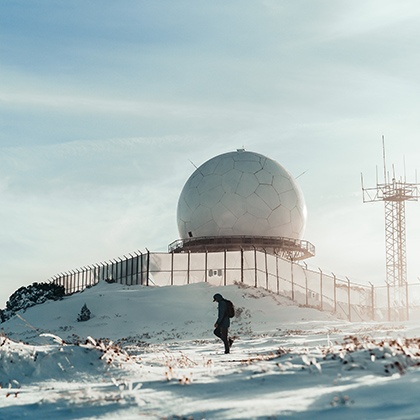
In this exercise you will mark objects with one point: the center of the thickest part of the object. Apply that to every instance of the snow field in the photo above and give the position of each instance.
(286, 361)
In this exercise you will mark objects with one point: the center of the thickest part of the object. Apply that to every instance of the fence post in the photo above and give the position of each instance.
(132, 269)
(206, 267)
(389, 302)
(117, 277)
(292, 279)
(123, 271)
(92, 275)
(266, 269)
(115, 263)
(188, 267)
(126, 270)
(141, 269)
(114, 277)
(101, 271)
(349, 297)
(98, 279)
(372, 302)
(89, 278)
(277, 274)
(224, 268)
(255, 267)
(137, 268)
(321, 288)
(335, 292)
(148, 267)
(83, 280)
(172, 268)
(242, 265)
(65, 284)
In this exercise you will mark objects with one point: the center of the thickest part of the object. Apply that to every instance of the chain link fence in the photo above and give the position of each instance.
(305, 286)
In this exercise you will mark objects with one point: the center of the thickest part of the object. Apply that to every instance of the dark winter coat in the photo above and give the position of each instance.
(223, 319)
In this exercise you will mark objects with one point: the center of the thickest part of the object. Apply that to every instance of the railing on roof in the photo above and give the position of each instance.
(293, 249)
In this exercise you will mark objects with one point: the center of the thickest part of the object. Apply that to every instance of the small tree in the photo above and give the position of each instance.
(84, 314)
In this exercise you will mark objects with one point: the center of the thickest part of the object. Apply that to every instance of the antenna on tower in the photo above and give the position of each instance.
(384, 158)
(394, 194)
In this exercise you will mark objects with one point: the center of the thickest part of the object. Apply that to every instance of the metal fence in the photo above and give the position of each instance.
(307, 287)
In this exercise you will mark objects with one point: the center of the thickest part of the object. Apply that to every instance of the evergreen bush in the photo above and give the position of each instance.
(28, 296)
(84, 314)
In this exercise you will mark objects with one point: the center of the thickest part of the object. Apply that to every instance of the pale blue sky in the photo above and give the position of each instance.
(103, 104)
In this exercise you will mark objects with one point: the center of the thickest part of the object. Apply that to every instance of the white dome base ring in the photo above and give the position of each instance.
(293, 249)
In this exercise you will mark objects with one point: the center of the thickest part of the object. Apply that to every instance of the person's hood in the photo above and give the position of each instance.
(217, 297)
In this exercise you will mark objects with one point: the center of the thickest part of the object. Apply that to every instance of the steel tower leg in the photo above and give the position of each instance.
(396, 258)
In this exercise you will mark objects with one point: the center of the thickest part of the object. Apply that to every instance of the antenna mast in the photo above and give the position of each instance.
(394, 194)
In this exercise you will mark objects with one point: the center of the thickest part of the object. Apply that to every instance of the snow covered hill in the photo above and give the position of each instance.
(149, 352)
(158, 314)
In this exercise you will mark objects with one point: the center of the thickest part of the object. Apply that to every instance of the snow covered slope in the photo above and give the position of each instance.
(158, 313)
(286, 361)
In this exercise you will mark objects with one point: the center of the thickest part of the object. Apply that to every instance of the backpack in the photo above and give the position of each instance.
(230, 309)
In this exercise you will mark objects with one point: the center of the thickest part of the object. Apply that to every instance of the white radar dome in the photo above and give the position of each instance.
(241, 193)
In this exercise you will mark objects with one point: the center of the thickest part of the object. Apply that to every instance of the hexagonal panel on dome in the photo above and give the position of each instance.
(279, 217)
(241, 193)
(224, 166)
(209, 182)
(211, 197)
(210, 167)
(235, 203)
(286, 231)
(248, 166)
(195, 179)
(269, 195)
(264, 177)
(247, 184)
(202, 216)
(192, 198)
(207, 229)
(245, 225)
(257, 207)
(289, 199)
(282, 183)
(262, 228)
(223, 216)
(230, 180)
(273, 167)
(244, 155)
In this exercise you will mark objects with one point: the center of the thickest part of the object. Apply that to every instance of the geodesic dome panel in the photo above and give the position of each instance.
(241, 193)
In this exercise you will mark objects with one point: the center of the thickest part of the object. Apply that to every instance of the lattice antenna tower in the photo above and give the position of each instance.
(394, 193)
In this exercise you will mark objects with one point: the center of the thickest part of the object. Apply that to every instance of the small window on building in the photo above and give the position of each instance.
(215, 273)
(190, 234)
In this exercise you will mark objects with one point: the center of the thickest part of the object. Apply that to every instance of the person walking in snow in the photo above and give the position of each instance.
(223, 322)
